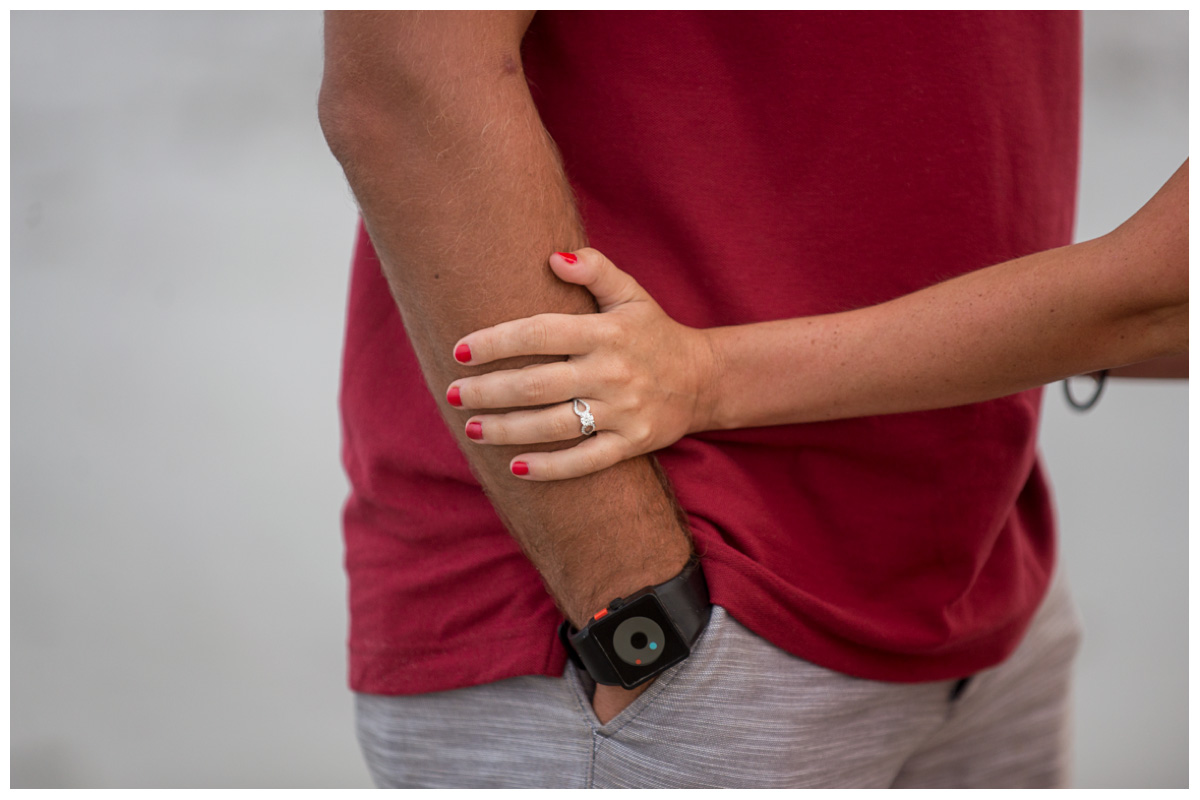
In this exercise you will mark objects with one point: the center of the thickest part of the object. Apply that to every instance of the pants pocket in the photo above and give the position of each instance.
(742, 713)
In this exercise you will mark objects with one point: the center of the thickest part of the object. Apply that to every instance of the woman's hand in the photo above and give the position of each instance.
(644, 376)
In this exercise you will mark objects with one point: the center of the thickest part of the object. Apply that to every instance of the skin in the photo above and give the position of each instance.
(1115, 301)
(462, 192)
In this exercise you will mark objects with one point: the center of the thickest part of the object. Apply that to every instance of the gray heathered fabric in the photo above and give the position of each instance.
(742, 713)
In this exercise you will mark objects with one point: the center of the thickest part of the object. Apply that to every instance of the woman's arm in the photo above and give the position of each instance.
(1118, 300)
(1165, 367)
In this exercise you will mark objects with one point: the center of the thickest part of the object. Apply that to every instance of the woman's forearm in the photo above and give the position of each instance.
(1165, 367)
(1120, 299)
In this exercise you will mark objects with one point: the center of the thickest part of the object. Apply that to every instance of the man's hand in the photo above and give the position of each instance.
(612, 700)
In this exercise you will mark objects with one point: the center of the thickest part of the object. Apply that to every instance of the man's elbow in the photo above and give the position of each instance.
(359, 109)
(364, 106)
(346, 120)
(390, 78)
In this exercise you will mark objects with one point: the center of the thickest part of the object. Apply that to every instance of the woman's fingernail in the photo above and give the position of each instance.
(454, 397)
(474, 430)
(462, 353)
(568, 257)
(520, 468)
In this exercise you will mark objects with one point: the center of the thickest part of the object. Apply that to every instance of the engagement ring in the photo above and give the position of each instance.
(586, 420)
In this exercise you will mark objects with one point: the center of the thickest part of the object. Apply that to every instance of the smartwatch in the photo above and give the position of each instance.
(637, 637)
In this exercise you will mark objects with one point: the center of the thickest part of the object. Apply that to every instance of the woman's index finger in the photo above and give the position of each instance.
(540, 335)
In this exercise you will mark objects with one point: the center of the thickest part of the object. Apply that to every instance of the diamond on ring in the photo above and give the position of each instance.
(586, 421)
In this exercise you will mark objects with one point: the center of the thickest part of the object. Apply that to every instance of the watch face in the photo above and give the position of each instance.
(639, 640)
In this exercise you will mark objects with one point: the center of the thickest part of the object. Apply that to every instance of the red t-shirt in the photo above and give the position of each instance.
(745, 167)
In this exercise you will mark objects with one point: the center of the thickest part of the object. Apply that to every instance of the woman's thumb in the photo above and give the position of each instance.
(588, 267)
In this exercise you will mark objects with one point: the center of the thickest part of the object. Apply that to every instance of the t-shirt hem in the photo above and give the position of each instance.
(400, 672)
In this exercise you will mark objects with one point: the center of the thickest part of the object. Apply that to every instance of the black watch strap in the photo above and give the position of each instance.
(589, 659)
(685, 600)
(685, 597)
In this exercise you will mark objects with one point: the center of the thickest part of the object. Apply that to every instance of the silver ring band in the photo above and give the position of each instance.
(586, 421)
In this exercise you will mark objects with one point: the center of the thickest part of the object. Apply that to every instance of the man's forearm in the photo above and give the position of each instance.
(464, 198)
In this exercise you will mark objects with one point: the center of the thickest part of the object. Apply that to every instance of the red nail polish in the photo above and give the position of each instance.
(568, 257)
(462, 353)
(474, 430)
(520, 468)
(453, 396)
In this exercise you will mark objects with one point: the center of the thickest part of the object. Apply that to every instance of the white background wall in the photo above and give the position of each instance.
(180, 249)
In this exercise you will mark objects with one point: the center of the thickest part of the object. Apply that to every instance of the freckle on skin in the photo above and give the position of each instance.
(510, 65)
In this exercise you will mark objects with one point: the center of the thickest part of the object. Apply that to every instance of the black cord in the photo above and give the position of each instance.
(1075, 404)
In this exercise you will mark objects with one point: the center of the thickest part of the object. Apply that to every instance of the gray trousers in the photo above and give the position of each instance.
(742, 713)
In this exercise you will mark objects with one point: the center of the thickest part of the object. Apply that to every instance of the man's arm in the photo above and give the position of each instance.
(463, 194)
